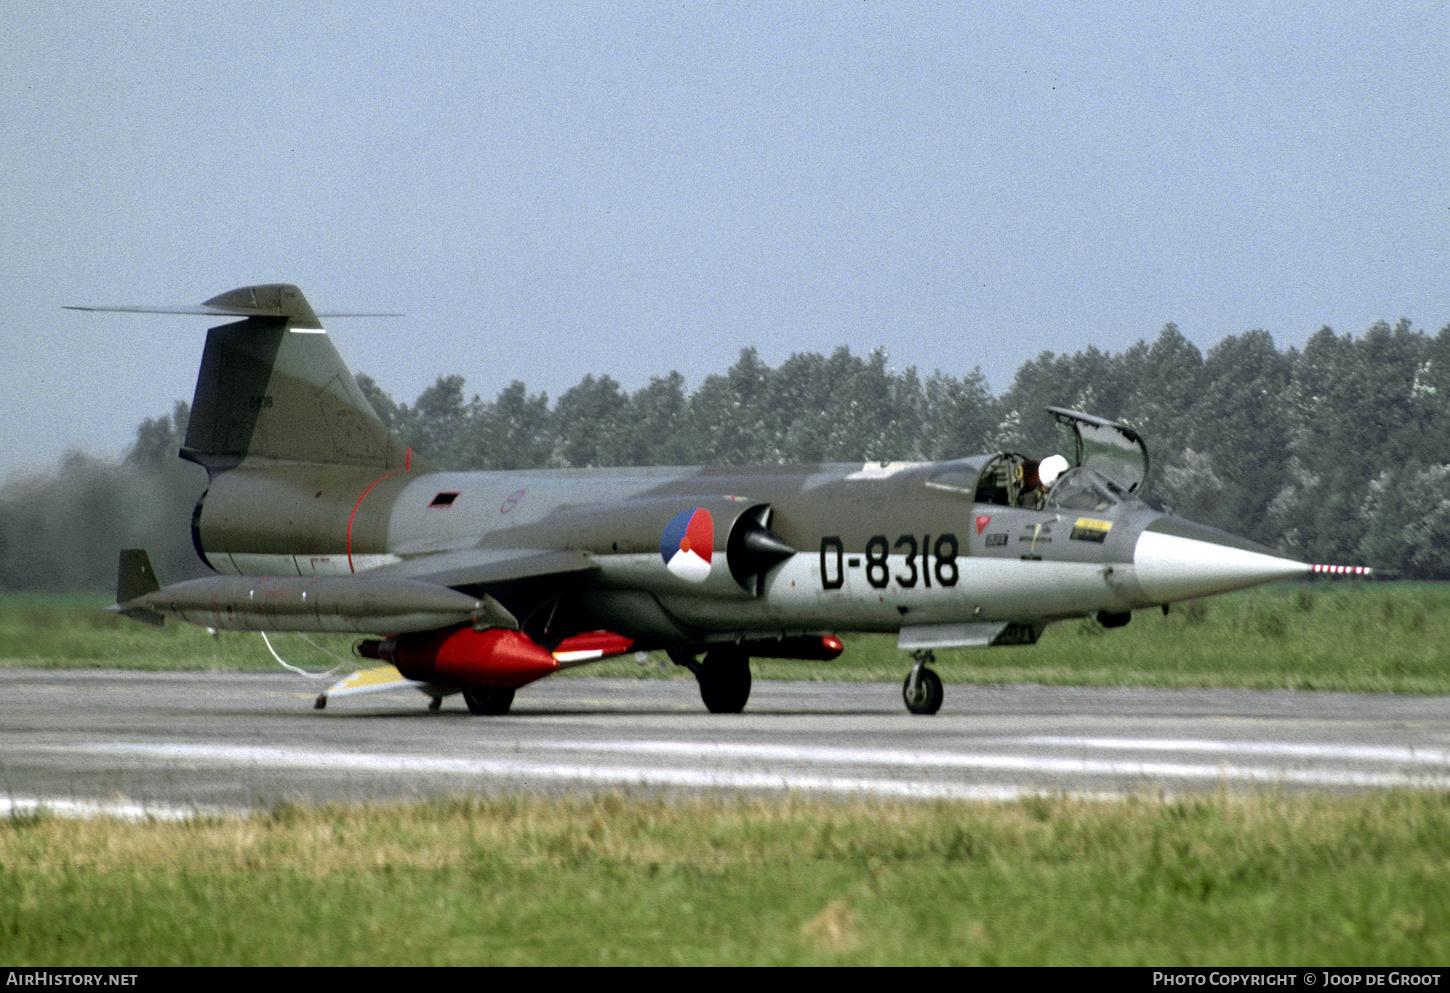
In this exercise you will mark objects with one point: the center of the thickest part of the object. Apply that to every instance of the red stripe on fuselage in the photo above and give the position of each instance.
(351, 517)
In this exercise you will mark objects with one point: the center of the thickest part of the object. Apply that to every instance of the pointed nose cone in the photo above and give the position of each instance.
(1177, 560)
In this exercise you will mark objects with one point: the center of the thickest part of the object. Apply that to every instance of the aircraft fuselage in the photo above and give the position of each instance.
(877, 546)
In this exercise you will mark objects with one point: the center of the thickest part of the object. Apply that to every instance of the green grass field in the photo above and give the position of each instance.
(1373, 637)
(1358, 880)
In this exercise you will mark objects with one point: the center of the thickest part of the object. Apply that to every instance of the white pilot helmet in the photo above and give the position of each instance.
(1051, 467)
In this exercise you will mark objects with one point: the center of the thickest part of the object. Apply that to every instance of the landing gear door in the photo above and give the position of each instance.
(1113, 449)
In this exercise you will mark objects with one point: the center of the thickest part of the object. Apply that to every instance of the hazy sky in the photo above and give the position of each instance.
(553, 189)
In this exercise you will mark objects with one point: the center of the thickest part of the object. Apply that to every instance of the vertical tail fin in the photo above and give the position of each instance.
(272, 386)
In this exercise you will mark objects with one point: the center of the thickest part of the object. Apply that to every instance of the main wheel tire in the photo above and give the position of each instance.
(725, 681)
(485, 700)
(928, 696)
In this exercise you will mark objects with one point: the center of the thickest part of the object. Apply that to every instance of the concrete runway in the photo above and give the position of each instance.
(170, 743)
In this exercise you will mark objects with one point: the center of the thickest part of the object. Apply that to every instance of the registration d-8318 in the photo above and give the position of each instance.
(939, 565)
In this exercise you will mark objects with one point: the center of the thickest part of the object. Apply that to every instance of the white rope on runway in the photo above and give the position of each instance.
(303, 672)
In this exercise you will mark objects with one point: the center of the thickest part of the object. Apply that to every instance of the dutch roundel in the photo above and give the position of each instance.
(687, 544)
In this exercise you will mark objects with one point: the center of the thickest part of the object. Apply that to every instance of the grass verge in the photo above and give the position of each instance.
(1317, 880)
(1377, 637)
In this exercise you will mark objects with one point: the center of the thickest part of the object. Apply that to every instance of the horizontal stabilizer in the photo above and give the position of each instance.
(270, 300)
(205, 311)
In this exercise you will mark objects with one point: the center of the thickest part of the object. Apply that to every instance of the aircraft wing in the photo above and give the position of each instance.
(488, 566)
(419, 593)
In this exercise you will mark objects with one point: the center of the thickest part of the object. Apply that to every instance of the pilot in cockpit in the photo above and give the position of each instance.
(1037, 479)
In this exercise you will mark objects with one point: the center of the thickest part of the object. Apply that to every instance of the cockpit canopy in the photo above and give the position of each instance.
(1113, 449)
(1081, 488)
(1110, 467)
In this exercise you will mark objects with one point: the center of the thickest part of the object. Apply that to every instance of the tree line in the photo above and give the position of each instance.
(1339, 452)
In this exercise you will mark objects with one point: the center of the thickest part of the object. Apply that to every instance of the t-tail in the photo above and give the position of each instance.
(289, 442)
(272, 386)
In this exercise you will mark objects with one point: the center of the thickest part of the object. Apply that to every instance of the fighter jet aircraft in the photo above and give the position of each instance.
(317, 519)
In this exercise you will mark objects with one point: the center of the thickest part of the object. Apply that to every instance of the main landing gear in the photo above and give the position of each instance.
(724, 677)
(483, 700)
(922, 690)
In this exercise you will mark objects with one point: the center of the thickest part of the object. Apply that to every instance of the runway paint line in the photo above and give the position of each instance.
(660, 775)
(929, 759)
(1369, 753)
(622, 775)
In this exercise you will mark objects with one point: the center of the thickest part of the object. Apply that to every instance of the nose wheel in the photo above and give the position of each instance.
(922, 691)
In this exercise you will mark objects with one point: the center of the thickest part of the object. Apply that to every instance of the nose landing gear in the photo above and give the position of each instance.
(922, 691)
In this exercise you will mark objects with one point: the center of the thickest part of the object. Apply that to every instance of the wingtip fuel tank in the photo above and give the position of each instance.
(359, 605)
